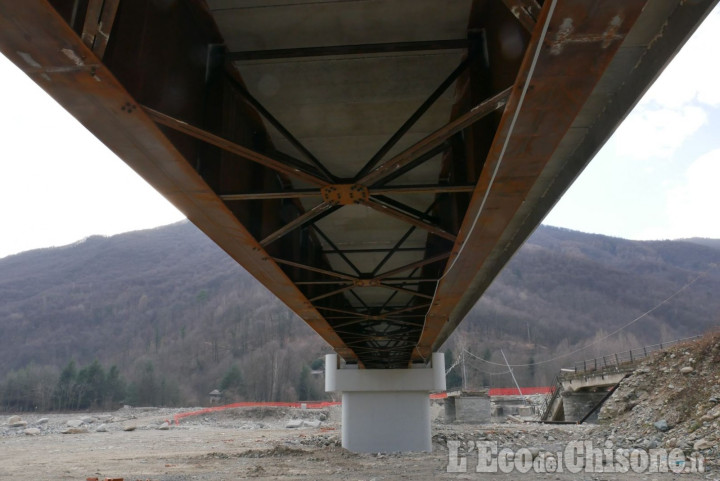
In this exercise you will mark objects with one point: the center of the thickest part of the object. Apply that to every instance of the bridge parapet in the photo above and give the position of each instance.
(623, 360)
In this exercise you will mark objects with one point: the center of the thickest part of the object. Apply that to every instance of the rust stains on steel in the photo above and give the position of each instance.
(345, 194)
(208, 145)
(564, 35)
(526, 11)
(496, 102)
(233, 147)
(98, 101)
(563, 77)
(99, 20)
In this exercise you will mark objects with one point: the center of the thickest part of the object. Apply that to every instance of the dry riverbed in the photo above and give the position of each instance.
(134, 444)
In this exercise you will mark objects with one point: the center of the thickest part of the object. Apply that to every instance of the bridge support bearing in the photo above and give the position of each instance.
(386, 410)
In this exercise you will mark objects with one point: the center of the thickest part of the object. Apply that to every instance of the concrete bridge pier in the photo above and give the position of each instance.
(385, 410)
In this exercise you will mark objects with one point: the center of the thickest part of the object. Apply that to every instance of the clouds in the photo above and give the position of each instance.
(655, 178)
(694, 206)
(676, 106)
(693, 75)
(653, 132)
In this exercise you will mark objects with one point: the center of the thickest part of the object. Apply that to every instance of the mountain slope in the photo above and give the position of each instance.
(564, 288)
(166, 296)
(170, 299)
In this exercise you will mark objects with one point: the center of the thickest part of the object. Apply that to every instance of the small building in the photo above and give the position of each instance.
(215, 396)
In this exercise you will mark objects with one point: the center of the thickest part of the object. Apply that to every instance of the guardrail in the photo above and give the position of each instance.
(625, 358)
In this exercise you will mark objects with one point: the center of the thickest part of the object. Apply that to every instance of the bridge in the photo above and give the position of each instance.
(374, 163)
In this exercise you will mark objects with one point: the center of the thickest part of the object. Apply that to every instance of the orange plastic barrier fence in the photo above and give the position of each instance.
(324, 404)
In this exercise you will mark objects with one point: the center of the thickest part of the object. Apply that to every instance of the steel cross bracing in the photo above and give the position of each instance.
(373, 163)
(381, 333)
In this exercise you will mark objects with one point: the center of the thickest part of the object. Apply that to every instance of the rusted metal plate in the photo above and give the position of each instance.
(344, 194)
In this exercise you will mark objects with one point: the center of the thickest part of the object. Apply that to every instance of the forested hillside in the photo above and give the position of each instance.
(166, 306)
(178, 318)
(564, 290)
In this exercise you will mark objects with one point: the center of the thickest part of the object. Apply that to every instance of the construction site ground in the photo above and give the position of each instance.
(671, 402)
(256, 443)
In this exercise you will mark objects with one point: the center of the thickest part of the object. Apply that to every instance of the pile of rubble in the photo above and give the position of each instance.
(671, 401)
(123, 420)
(150, 418)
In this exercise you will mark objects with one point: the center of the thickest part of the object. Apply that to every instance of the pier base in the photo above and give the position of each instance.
(386, 410)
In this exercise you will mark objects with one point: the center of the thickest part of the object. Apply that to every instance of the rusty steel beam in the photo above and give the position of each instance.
(422, 189)
(412, 120)
(526, 11)
(333, 293)
(320, 283)
(298, 222)
(398, 214)
(233, 148)
(99, 19)
(306, 193)
(334, 246)
(437, 138)
(406, 291)
(376, 250)
(326, 272)
(97, 99)
(518, 158)
(414, 265)
(288, 194)
(341, 50)
(556, 69)
(408, 280)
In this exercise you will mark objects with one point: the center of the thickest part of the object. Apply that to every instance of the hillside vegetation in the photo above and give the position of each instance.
(178, 318)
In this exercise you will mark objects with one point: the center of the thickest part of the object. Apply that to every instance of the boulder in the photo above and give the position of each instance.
(686, 370)
(32, 431)
(75, 423)
(74, 431)
(16, 422)
(294, 423)
(701, 444)
(661, 425)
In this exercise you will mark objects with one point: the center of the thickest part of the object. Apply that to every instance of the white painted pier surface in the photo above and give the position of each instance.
(386, 410)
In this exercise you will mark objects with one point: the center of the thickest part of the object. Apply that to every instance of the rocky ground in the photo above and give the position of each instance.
(669, 402)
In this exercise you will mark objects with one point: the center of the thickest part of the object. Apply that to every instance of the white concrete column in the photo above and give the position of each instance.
(386, 410)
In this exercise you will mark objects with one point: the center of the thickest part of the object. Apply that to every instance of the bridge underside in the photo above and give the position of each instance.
(373, 163)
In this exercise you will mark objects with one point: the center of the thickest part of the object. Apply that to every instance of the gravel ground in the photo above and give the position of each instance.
(255, 443)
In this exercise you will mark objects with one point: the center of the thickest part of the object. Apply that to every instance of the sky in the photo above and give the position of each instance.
(656, 178)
